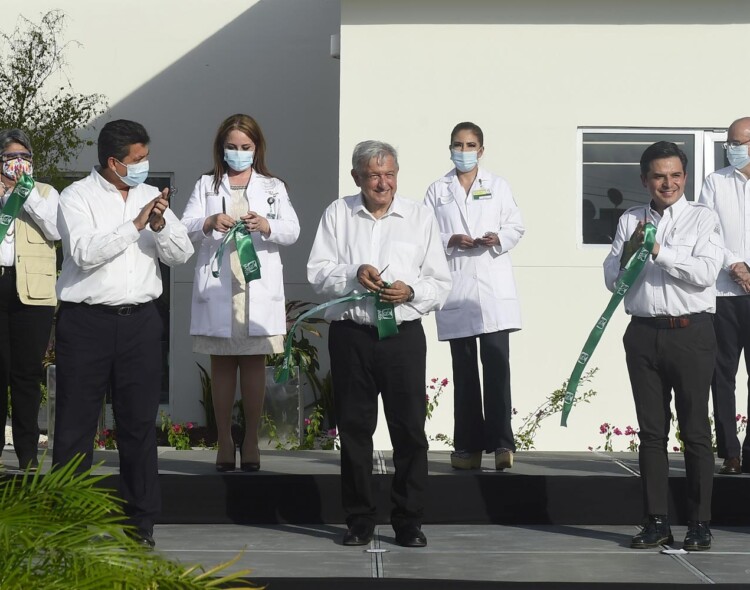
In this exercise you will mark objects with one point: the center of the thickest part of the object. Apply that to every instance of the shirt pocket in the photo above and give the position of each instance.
(683, 243)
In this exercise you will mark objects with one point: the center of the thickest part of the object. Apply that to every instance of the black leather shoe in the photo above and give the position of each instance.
(360, 533)
(654, 533)
(411, 536)
(225, 467)
(143, 537)
(698, 536)
(731, 466)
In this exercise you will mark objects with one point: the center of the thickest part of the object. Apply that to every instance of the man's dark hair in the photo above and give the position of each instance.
(116, 137)
(659, 151)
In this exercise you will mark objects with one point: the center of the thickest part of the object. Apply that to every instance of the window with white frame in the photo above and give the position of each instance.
(610, 179)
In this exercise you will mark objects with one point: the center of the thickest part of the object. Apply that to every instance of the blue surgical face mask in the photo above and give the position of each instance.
(137, 173)
(738, 156)
(237, 160)
(464, 161)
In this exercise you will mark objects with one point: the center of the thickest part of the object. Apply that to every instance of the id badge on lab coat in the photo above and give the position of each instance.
(481, 194)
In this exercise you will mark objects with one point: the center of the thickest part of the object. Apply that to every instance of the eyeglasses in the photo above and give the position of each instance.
(13, 155)
(734, 144)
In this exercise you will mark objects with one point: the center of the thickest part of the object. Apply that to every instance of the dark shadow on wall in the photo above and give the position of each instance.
(272, 62)
(547, 12)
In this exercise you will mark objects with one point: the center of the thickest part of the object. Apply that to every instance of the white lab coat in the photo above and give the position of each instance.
(483, 298)
(212, 307)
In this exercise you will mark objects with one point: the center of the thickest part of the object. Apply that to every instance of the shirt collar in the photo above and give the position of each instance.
(673, 210)
(738, 173)
(396, 207)
(103, 182)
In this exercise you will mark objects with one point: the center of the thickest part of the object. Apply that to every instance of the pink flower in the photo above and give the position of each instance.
(189, 425)
(426, 397)
(307, 421)
(630, 431)
(333, 433)
(603, 428)
(432, 387)
(444, 382)
(177, 428)
(617, 431)
(676, 449)
(738, 417)
(434, 379)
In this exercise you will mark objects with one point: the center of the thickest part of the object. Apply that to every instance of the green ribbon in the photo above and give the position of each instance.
(15, 202)
(632, 270)
(386, 324)
(245, 250)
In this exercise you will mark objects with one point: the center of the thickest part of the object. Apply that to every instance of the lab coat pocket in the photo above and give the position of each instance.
(461, 291)
(445, 200)
(214, 204)
(205, 283)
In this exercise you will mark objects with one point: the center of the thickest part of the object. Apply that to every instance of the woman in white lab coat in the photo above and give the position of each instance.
(235, 322)
(479, 224)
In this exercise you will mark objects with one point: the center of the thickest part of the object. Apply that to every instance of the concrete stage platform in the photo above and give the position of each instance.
(556, 520)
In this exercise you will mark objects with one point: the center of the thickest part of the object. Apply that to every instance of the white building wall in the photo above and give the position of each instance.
(180, 67)
(531, 73)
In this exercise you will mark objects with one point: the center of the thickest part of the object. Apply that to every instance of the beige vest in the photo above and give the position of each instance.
(36, 260)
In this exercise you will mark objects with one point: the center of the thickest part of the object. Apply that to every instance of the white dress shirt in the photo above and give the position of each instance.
(406, 240)
(681, 280)
(727, 191)
(44, 213)
(106, 259)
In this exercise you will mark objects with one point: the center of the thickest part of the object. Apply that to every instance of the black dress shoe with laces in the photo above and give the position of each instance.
(654, 533)
(143, 537)
(359, 533)
(731, 466)
(411, 536)
(698, 536)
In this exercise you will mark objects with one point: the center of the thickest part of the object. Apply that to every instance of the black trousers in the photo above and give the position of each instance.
(732, 325)
(661, 361)
(99, 350)
(474, 431)
(24, 336)
(361, 367)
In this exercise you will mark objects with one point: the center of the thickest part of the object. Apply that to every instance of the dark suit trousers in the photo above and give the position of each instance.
(732, 325)
(361, 367)
(96, 351)
(24, 336)
(474, 431)
(661, 361)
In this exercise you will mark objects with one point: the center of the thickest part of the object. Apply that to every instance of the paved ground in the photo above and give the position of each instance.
(457, 555)
(486, 552)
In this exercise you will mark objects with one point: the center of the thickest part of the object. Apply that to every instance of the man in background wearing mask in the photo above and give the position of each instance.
(727, 191)
(115, 230)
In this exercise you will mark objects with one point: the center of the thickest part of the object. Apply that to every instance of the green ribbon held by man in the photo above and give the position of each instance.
(385, 320)
(632, 270)
(15, 202)
(245, 250)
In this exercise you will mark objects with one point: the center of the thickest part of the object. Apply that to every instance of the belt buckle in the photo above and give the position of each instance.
(125, 310)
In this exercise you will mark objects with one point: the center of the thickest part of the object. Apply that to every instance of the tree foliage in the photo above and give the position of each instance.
(37, 95)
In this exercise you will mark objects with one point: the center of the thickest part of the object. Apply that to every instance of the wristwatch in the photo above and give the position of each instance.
(410, 298)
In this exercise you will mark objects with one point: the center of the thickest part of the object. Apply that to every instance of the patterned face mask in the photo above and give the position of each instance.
(14, 168)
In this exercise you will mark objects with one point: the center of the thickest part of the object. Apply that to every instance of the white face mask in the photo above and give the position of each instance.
(238, 160)
(464, 161)
(137, 173)
(738, 156)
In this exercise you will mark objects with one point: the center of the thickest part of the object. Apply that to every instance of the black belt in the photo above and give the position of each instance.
(671, 322)
(121, 310)
(374, 329)
(7, 270)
